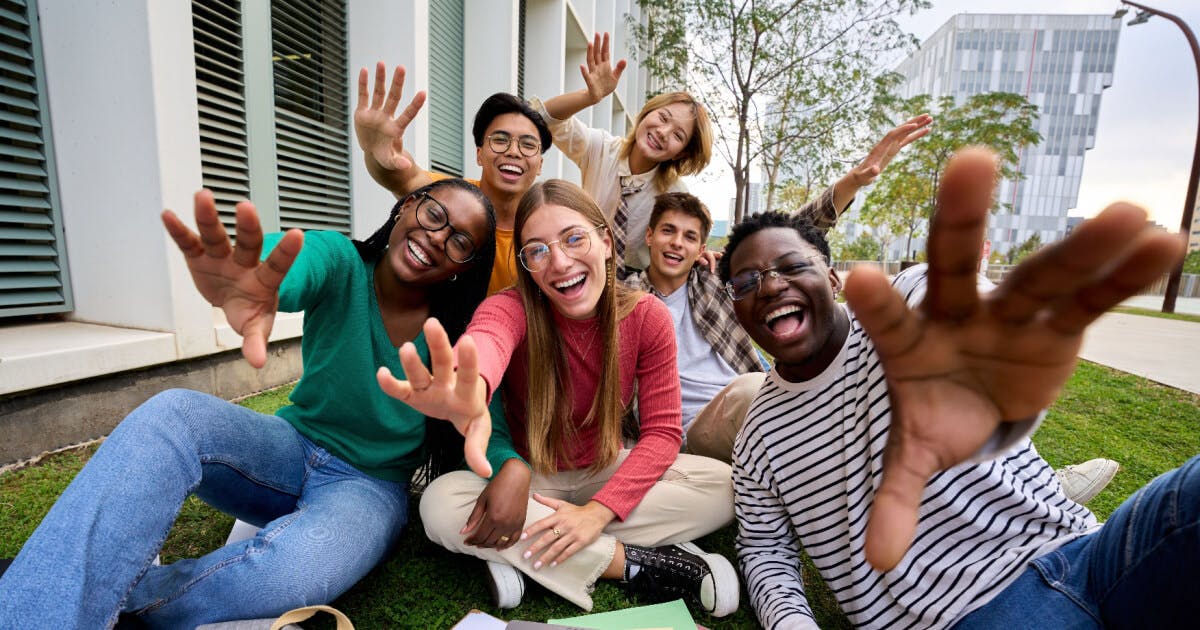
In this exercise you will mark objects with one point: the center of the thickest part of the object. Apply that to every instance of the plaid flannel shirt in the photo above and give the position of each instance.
(712, 309)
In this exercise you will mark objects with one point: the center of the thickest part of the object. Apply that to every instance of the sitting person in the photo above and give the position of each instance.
(510, 139)
(891, 439)
(326, 478)
(671, 137)
(572, 347)
(720, 371)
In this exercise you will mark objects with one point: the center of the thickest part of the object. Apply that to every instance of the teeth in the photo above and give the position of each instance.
(781, 311)
(672, 256)
(418, 253)
(512, 168)
(569, 282)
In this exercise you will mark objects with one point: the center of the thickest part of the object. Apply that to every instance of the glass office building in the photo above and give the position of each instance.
(1062, 64)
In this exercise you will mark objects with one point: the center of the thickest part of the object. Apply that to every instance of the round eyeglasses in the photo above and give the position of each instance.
(432, 216)
(529, 146)
(746, 283)
(575, 243)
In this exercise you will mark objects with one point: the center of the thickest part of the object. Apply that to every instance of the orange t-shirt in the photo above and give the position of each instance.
(504, 270)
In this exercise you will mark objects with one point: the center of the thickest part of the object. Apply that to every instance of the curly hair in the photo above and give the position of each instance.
(803, 226)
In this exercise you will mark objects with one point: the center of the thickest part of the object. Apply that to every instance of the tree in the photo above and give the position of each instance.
(1191, 264)
(1025, 249)
(904, 197)
(865, 247)
(778, 76)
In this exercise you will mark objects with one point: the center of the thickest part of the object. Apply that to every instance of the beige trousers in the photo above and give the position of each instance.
(716, 426)
(693, 498)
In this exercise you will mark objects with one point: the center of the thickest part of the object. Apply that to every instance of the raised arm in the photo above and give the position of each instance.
(600, 76)
(968, 362)
(380, 132)
(232, 277)
(880, 156)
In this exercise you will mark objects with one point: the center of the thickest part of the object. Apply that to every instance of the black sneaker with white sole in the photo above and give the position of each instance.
(670, 571)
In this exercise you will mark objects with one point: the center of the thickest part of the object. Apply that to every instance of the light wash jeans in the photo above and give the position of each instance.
(1140, 570)
(325, 524)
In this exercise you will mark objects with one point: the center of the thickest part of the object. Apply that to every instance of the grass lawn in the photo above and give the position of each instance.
(1133, 310)
(1147, 427)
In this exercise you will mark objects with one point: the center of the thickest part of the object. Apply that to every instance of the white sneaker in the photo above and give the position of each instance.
(1082, 482)
(506, 584)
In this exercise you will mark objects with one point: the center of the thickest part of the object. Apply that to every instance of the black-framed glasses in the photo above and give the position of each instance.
(432, 216)
(575, 243)
(746, 283)
(529, 146)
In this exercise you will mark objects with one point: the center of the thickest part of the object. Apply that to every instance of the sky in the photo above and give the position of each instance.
(1148, 117)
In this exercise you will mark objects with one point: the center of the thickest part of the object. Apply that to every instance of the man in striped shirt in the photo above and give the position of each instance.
(893, 443)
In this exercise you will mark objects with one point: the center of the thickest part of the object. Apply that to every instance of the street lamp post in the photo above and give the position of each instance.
(1189, 203)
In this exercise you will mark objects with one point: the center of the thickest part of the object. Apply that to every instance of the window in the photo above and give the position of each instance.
(446, 86)
(33, 265)
(302, 106)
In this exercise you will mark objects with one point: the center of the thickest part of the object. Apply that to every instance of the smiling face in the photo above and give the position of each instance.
(417, 255)
(664, 133)
(675, 243)
(795, 320)
(573, 285)
(508, 173)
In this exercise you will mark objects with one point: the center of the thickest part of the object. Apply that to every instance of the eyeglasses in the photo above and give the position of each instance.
(432, 216)
(578, 242)
(529, 146)
(746, 283)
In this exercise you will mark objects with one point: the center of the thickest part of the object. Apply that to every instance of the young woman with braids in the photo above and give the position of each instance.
(325, 478)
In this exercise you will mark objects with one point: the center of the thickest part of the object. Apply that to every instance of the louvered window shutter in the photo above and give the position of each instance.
(312, 114)
(446, 86)
(221, 92)
(33, 264)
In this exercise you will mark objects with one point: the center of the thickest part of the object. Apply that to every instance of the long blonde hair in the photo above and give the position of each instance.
(548, 401)
(695, 154)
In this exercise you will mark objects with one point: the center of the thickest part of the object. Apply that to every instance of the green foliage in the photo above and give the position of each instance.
(903, 200)
(786, 81)
(1023, 251)
(865, 247)
(1191, 264)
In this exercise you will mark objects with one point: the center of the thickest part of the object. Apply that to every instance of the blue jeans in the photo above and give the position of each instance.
(1140, 570)
(325, 524)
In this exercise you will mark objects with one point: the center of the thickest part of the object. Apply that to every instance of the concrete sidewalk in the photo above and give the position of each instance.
(1163, 350)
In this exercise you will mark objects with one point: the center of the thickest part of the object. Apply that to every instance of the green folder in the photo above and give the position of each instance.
(673, 615)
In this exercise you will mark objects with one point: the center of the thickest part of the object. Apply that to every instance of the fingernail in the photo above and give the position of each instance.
(537, 565)
(527, 555)
(524, 535)
(554, 564)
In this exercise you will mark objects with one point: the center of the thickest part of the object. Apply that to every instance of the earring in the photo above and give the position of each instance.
(453, 277)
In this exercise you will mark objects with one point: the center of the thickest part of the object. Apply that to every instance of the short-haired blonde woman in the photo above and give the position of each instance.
(573, 348)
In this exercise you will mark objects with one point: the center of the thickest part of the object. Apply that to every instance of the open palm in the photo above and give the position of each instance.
(600, 74)
(453, 392)
(962, 365)
(232, 277)
(379, 130)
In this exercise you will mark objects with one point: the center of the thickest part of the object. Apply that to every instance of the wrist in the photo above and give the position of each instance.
(600, 511)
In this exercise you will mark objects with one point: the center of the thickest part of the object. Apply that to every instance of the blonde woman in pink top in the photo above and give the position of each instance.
(574, 349)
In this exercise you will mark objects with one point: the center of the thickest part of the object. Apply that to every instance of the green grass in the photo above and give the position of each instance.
(1133, 310)
(1147, 427)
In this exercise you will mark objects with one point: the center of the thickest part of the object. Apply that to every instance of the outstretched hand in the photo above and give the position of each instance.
(964, 363)
(886, 149)
(379, 130)
(232, 277)
(455, 394)
(599, 74)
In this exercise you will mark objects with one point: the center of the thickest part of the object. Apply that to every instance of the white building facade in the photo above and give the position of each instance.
(114, 111)
(1061, 64)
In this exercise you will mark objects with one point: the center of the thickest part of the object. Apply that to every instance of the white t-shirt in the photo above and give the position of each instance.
(702, 372)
